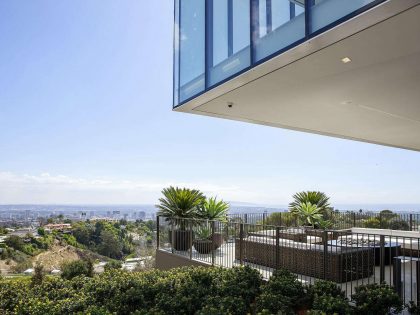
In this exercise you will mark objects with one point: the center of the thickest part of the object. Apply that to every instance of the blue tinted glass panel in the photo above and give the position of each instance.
(280, 24)
(229, 39)
(191, 48)
(176, 54)
(325, 12)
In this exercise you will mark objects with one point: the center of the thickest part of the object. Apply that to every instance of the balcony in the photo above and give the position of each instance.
(341, 68)
(346, 254)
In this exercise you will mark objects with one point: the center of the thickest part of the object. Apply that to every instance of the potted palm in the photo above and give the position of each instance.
(203, 241)
(214, 210)
(311, 207)
(307, 213)
(177, 205)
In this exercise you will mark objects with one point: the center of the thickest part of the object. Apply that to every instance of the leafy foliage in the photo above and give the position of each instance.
(308, 214)
(77, 268)
(374, 223)
(15, 242)
(376, 299)
(312, 208)
(213, 209)
(398, 224)
(280, 219)
(38, 276)
(317, 198)
(282, 294)
(110, 239)
(190, 290)
(178, 291)
(180, 202)
(113, 264)
(328, 298)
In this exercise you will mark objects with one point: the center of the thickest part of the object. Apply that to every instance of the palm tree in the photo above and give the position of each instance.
(180, 203)
(314, 197)
(213, 209)
(307, 213)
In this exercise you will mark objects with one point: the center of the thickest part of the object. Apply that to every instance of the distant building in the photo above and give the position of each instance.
(57, 227)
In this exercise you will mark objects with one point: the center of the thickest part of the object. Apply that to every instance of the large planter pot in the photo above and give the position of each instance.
(180, 240)
(203, 246)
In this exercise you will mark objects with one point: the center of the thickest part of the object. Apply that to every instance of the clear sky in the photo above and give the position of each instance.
(85, 117)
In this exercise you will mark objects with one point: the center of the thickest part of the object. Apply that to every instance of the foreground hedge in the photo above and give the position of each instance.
(200, 291)
(179, 291)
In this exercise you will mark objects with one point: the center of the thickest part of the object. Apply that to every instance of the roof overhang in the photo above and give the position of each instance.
(374, 98)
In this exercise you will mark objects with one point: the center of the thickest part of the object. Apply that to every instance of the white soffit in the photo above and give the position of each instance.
(374, 98)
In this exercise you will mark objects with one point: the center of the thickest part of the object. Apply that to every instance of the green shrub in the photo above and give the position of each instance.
(398, 224)
(283, 293)
(374, 223)
(331, 305)
(77, 268)
(113, 264)
(322, 287)
(376, 299)
(15, 242)
(177, 291)
(188, 290)
(327, 298)
(38, 275)
(413, 308)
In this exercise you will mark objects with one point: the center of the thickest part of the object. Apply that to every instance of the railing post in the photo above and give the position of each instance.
(213, 223)
(382, 259)
(277, 254)
(411, 221)
(354, 219)
(397, 276)
(191, 239)
(418, 281)
(281, 219)
(172, 235)
(246, 217)
(325, 260)
(157, 232)
(241, 245)
(264, 217)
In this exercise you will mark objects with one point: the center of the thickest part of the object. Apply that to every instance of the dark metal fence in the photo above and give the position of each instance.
(338, 219)
(347, 258)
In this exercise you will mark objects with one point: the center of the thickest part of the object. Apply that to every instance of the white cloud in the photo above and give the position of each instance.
(47, 188)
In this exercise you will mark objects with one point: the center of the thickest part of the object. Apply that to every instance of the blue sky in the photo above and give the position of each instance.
(85, 117)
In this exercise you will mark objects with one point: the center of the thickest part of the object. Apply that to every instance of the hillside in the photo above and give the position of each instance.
(57, 254)
(52, 258)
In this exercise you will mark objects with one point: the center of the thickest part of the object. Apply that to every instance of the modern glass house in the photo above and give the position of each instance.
(343, 68)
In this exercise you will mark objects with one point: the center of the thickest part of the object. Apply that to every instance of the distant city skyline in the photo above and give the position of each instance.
(85, 118)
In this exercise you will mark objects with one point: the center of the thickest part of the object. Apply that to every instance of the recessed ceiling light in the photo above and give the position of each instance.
(345, 60)
(229, 104)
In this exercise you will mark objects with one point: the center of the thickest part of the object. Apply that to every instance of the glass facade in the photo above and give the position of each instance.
(189, 48)
(229, 39)
(215, 40)
(280, 24)
(325, 12)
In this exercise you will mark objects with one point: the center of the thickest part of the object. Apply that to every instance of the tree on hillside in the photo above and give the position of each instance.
(15, 242)
(109, 245)
(77, 268)
(82, 234)
(38, 276)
